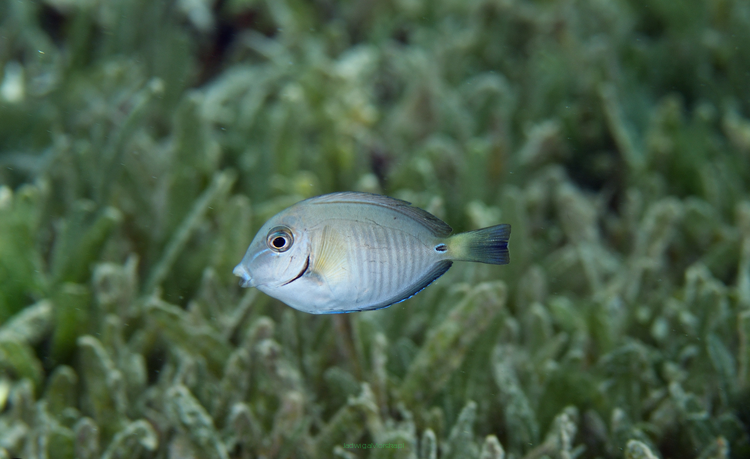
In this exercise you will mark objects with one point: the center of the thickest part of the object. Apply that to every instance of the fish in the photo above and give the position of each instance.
(352, 251)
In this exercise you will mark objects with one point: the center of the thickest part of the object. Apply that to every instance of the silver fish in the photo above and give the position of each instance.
(349, 251)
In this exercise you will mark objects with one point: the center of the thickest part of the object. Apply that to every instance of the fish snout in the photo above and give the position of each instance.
(246, 280)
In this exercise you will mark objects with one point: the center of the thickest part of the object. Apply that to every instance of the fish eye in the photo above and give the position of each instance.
(280, 239)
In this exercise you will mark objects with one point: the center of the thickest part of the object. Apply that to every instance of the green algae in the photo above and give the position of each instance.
(142, 143)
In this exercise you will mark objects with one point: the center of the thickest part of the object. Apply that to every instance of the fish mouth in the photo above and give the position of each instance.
(301, 273)
(246, 280)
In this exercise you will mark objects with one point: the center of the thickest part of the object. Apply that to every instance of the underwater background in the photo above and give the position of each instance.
(142, 144)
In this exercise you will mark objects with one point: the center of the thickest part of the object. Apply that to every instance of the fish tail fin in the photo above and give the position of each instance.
(486, 245)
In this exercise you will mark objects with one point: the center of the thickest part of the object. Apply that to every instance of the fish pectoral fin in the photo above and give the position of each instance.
(329, 260)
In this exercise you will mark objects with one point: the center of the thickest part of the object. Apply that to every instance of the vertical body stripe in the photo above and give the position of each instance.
(399, 259)
(382, 261)
(374, 261)
(357, 265)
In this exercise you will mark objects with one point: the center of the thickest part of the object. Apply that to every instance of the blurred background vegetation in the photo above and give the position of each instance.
(143, 142)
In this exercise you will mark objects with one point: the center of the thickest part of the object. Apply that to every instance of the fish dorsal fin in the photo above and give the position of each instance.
(329, 261)
(426, 219)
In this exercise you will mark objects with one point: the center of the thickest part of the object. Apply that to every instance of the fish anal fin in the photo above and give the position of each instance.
(431, 276)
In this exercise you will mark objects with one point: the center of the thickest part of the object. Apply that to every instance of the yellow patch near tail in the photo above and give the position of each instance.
(329, 260)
